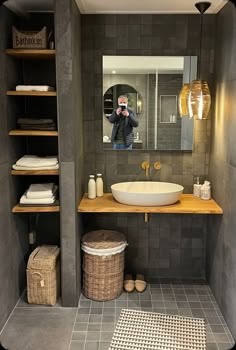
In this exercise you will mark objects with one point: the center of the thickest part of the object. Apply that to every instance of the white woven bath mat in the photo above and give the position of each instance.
(141, 330)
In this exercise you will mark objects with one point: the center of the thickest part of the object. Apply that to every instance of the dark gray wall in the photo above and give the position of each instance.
(67, 26)
(141, 35)
(147, 35)
(166, 246)
(13, 228)
(221, 245)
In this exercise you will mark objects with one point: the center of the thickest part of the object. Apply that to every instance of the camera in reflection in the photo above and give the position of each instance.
(123, 106)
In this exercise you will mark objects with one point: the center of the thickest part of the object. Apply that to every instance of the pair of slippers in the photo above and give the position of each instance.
(130, 284)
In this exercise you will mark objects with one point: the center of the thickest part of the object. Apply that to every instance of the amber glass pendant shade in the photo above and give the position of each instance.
(183, 100)
(199, 102)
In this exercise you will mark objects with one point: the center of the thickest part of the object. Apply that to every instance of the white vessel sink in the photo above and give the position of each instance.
(146, 193)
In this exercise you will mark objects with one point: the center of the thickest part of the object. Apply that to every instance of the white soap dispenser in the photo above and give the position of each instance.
(91, 187)
(197, 189)
(99, 185)
(206, 190)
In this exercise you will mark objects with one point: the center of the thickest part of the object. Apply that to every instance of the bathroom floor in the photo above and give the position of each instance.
(91, 325)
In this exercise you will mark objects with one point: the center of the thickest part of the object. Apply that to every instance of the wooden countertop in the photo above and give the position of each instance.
(188, 204)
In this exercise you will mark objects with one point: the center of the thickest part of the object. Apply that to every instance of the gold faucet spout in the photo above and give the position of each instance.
(146, 166)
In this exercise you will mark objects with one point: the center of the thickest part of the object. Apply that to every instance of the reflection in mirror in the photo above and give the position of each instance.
(152, 85)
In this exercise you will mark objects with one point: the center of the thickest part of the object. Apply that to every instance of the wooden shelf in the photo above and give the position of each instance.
(31, 93)
(31, 54)
(34, 209)
(188, 204)
(18, 132)
(35, 172)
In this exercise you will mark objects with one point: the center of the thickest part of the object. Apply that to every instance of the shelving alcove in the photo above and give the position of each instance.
(26, 56)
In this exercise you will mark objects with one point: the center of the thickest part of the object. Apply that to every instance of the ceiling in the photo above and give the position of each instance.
(117, 7)
(147, 6)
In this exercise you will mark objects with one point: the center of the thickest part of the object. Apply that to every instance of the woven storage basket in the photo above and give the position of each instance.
(103, 264)
(43, 275)
(29, 39)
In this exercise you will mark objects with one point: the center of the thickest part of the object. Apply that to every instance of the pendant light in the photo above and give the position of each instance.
(183, 96)
(199, 100)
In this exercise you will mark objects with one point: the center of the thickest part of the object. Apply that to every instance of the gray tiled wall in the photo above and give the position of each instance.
(166, 246)
(147, 35)
(141, 35)
(221, 244)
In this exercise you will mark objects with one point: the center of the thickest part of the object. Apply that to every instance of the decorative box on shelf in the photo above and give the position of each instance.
(29, 39)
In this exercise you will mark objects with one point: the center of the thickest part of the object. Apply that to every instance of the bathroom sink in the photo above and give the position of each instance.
(146, 193)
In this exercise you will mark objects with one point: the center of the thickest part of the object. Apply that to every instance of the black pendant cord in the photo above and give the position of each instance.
(202, 7)
(200, 49)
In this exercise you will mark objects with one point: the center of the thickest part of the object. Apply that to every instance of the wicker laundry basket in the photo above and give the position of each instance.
(103, 264)
(43, 275)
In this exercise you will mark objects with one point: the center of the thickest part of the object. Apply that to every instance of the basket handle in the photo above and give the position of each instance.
(32, 255)
(38, 274)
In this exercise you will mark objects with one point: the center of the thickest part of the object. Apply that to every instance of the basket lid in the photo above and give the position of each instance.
(103, 239)
(43, 258)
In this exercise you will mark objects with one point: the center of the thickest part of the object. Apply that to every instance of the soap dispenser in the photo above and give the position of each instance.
(91, 187)
(197, 189)
(206, 190)
(99, 185)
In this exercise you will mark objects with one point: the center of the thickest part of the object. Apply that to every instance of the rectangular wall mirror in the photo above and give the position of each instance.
(152, 85)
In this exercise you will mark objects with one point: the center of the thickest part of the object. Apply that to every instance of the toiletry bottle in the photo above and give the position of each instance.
(91, 187)
(137, 136)
(99, 185)
(197, 188)
(206, 190)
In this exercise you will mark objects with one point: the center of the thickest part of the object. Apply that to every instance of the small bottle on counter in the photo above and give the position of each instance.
(206, 190)
(99, 185)
(197, 189)
(91, 187)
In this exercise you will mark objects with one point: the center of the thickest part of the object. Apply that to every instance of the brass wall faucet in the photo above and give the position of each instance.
(146, 166)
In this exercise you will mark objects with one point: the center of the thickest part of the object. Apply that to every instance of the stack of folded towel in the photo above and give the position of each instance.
(30, 162)
(40, 194)
(36, 123)
(34, 88)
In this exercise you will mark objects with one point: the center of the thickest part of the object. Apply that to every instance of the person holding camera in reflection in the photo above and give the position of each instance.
(124, 120)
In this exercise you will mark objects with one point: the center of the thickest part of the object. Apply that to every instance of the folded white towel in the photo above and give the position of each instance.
(53, 167)
(32, 161)
(25, 200)
(46, 190)
(34, 88)
(38, 191)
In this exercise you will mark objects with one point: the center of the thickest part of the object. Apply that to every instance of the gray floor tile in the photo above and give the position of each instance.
(221, 338)
(83, 310)
(95, 318)
(79, 336)
(106, 336)
(80, 326)
(104, 346)
(224, 346)
(217, 329)
(95, 311)
(210, 337)
(212, 346)
(93, 336)
(39, 329)
(214, 320)
(94, 327)
(82, 318)
(76, 345)
(91, 346)
(108, 327)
